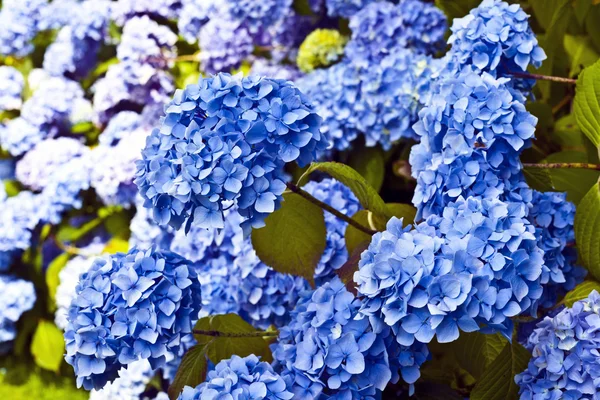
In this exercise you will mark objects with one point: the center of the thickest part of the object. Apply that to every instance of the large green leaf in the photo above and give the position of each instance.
(552, 42)
(580, 292)
(586, 105)
(52, 279)
(592, 26)
(293, 238)
(48, 346)
(475, 351)
(364, 192)
(370, 163)
(538, 179)
(498, 380)
(456, 8)
(354, 237)
(192, 370)
(576, 182)
(581, 52)
(587, 231)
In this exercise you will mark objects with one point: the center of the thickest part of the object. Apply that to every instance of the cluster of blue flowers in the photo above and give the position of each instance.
(139, 305)
(342, 199)
(242, 379)
(226, 139)
(11, 87)
(328, 349)
(20, 20)
(565, 354)
(18, 296)
(377, 89)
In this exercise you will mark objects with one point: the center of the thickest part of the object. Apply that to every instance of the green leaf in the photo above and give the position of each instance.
(364, 192)
(370, 163)
(82, 127)
(67, 233)
(192, 370)
(48, 346)
(580, 292)
(576, 182)
(456, 8)
(12, 187)
(538, 179)
(52, 279)
(592, 26)
(116, 245)
(117, 224)
(476, 351)
(399, 210)
(293, 238)
(567, 134)
(587, 231)
(556, 27)
(581, 52)
(497, 381)
(354, 237)
(586, 106)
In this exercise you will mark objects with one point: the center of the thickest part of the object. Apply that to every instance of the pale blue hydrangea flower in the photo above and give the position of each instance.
(194, 14)
(130, 385)
(11, 86)
(133, 306)
(381, 28)
(345, 8)
(120, 126)
(226, 139)
(254, 15)
(565, 354)
(113, 169)
(224, 45)
(69, 278)
(145, 232)
(18, 296)
(19, 20)
(269, 69)
(242, 379)
(45, 114)
(131, 86)
(63, 192)
(145, 41)
(124, 10)
(74, 53)
(327, 350)
(36, 168)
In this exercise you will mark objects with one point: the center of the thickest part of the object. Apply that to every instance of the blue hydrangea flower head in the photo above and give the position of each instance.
(36, 168)
(139, 305)
(124, 10)
(256, 15)
(342, 199)
(145, 41)
(18, 216)
(241, 378)
(74, 53)
(19, 20)
(565, 353)
(345, 8)
(145, 232)
(120, 126)
(130, 384)
(381, 28)
(224, 45)
(495, 36)
(113, 169)
(18, 296)
(472, 132)
(11, 86)
(131, 86)
(194, 14)
(269, 69)
(19, 136)
(553, 217)
(225, 139)
(475, 265)
(326, 349)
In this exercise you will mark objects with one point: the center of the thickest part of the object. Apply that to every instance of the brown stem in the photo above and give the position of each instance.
(564, 165)
(539, 77)
(330, 209)
(236, 334)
